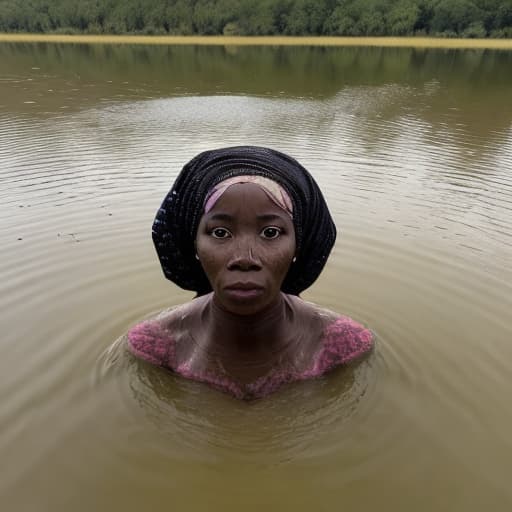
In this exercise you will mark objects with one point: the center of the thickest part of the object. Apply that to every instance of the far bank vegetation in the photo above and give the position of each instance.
(439, 18)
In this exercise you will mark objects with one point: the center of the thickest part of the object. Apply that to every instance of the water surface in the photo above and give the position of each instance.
(413, 150)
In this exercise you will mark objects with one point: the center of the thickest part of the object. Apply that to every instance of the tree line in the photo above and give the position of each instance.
(445, 18)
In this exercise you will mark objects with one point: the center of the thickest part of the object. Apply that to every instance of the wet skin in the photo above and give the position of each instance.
(247, 337)
(247, 326)
(245, 244)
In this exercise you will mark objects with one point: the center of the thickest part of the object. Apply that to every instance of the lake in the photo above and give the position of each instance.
(413, 150)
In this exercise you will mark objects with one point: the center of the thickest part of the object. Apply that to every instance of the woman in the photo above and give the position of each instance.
(248, 229)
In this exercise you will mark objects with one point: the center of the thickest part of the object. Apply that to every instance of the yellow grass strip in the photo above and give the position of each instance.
(416, 42)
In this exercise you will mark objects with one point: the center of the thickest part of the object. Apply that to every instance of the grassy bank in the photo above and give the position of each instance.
(418, 42)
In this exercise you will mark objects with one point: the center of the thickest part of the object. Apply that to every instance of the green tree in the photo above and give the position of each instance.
(179, 17)
(306, 17)
(402, 17)
(454, 16)
(468, 18)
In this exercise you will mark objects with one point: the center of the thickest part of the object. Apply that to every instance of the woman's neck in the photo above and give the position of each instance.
(254, 338)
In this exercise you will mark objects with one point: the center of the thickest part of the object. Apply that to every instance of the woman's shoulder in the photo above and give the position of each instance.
(150, 341)
(155, 340)
(343, 340)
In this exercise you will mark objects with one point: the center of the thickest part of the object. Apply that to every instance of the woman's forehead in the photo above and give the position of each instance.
(242, 199)
(275, 192)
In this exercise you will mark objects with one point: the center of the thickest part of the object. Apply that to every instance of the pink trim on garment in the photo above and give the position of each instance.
(148, 341)
(343, 341)
(274, 191)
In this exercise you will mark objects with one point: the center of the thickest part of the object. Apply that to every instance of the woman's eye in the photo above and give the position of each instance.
(271, 232)
(220, 233)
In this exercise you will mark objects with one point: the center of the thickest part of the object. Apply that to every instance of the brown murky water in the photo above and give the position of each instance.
(413, 149)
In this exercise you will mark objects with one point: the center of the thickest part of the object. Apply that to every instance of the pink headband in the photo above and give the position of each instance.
(274, 191)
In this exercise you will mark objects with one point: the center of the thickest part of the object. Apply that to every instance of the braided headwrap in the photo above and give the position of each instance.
(177, 220)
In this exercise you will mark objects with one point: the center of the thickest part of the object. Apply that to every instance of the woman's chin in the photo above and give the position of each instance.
(244, 302)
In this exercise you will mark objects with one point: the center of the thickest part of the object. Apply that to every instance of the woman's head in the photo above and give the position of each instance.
(200, 188)
(245, 243)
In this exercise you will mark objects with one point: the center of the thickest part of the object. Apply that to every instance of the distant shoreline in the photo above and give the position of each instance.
(410, 42)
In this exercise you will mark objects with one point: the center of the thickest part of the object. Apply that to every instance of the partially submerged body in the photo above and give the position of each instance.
(189, 340)
(247, 229)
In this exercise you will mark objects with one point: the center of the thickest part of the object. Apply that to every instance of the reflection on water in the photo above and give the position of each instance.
(413, 149)
(264, 432)
(443, 86)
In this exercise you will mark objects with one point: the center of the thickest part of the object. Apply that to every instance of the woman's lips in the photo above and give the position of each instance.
(241, 291)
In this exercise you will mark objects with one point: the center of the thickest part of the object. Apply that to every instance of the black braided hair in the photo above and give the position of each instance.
(177, 220)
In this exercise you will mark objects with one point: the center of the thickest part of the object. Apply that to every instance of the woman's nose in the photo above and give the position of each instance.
(244, 257)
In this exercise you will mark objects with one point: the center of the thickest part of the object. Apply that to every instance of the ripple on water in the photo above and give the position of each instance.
(202, 423)
(423, 257)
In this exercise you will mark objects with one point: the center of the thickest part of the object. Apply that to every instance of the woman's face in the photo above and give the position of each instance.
(245, 244)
